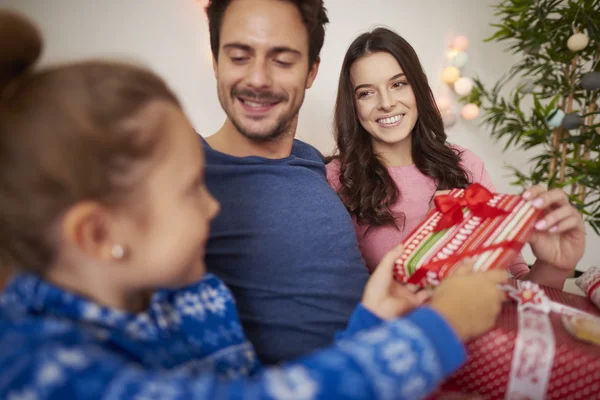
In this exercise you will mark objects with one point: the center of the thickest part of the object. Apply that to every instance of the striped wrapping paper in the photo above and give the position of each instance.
(430, 256)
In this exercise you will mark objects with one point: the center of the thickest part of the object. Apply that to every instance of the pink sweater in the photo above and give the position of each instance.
(416, 190)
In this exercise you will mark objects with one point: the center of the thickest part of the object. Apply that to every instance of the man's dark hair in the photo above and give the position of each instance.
(314, 16)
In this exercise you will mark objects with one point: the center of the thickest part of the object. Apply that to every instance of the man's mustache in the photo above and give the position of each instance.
(258, 96)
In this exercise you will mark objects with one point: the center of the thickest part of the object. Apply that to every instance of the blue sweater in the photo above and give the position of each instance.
(286, 247)
(189, 345)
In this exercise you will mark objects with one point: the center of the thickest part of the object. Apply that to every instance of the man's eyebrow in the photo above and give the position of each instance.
(284, 49)
(236, 45)
(273, 51)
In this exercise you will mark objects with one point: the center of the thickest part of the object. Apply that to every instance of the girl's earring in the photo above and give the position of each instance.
(117, 251)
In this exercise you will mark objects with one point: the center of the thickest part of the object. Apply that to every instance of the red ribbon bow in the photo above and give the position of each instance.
(475, 199)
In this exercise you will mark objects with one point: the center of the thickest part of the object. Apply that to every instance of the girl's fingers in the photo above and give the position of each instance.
(465, 267)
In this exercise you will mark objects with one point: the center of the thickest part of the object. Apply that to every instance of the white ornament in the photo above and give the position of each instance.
(463, 86)
(578, 41)
(556, 118)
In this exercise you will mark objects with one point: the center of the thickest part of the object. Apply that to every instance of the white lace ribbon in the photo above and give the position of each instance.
(532, 357)
(535, 344)
(534, 350)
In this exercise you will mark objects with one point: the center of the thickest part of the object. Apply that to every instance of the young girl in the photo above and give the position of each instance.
(104, 210)
(393, 156)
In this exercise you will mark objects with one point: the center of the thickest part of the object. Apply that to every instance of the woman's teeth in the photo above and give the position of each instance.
(390, 120)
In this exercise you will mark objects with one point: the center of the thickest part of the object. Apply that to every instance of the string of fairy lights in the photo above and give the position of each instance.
(463, 85)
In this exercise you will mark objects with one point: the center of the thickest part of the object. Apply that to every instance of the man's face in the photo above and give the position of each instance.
(262, 69)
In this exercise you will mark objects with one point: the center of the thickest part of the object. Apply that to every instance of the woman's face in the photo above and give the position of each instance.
(384, 100)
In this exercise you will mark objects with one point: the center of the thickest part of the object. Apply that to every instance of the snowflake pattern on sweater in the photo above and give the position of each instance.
(189, 344)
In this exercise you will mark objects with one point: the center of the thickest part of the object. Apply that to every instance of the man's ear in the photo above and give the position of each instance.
(214, 62)
(89, 227)
(312, 74)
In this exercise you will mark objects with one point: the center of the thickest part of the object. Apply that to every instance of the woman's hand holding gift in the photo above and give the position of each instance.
(558, 241)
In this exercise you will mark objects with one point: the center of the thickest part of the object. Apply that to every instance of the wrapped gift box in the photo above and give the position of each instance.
(491, 228)
(530, 354)
(589, 282)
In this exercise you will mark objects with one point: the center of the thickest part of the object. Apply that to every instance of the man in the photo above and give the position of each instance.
(284, 243)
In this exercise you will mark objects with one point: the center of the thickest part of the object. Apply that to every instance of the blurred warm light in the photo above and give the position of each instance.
(460, 43)
(451, 54)
(460, 59)
(463, 86)
(443, 103)
(470, 111)
(450, 75)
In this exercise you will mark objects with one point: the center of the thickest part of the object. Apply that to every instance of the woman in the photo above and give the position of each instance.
(392, 157)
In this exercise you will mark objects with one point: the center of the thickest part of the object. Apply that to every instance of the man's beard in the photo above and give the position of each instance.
(276, 133)
(283, 124)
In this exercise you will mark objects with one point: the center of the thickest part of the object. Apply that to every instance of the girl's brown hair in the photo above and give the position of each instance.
(68, 134)
(367, 189)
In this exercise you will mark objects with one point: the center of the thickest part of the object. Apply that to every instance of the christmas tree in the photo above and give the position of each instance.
(554, 104)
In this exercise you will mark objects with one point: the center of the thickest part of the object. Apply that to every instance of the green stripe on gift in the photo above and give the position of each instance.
(413, 263)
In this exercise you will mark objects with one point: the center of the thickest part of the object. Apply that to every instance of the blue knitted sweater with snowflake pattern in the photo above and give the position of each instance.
(189, 344)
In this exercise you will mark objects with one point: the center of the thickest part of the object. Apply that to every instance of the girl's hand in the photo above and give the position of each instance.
(386, 297)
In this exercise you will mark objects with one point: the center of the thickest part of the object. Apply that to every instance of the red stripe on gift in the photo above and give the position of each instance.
(436, 265)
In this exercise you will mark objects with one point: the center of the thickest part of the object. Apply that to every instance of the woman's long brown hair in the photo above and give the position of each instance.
(367, 189)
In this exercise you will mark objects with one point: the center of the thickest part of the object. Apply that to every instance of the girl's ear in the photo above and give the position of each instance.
(89, 226)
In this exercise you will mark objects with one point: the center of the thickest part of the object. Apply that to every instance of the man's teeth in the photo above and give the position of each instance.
(255, 104)
(390, 120)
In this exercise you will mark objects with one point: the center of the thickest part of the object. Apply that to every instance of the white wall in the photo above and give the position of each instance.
(172, 37)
